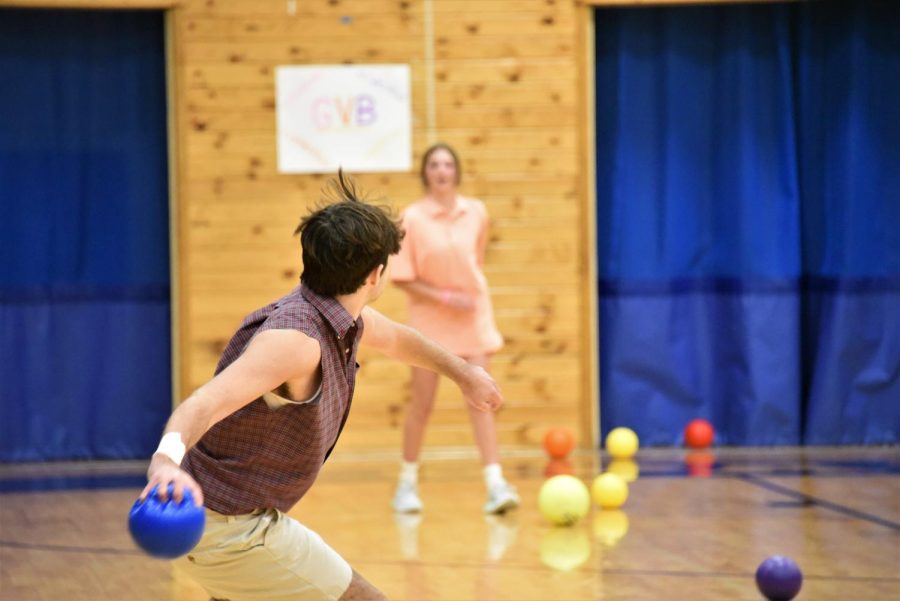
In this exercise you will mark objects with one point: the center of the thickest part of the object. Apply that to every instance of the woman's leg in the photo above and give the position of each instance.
(423, 388)
(501, 496)
(484, 425)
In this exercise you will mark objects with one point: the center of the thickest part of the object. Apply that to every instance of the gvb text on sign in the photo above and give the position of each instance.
(355, 117)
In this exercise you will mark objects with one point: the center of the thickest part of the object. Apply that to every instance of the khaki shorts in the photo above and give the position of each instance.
(264, 556)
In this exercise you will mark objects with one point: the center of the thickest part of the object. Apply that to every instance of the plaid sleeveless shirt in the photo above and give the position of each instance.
(260, 457)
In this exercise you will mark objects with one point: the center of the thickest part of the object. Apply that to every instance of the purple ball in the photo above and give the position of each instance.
(166, 529)
(779, 578)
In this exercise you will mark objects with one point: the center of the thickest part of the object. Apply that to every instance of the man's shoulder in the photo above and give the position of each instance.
(286, 336)
(295, 307)
(289, 349)
(290, 312)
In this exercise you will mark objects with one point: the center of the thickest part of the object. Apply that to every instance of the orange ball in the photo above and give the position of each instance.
(558, 442)
(555, 467)
(698, 434)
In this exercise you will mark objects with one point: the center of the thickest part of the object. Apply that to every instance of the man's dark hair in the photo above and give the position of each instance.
(345, 238)
(431, 150)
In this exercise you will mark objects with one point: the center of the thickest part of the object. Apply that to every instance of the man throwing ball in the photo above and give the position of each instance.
(250, 442)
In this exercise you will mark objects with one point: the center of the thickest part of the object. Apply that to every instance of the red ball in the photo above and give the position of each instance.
(558, 442)
(698, 434)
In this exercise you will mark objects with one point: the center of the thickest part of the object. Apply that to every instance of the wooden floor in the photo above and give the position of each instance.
(691, 530)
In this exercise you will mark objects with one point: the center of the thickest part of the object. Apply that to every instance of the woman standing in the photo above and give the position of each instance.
(440, 268)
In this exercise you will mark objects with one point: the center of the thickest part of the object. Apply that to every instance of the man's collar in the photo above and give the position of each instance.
(334, 312)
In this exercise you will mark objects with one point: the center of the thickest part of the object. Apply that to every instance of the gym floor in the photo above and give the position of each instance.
(695, 526)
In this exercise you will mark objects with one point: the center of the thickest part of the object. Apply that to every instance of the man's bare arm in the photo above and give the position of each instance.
(408, 345)
(272, 358)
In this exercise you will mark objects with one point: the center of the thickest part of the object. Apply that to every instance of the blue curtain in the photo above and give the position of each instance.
(748, 192)
(84, 287)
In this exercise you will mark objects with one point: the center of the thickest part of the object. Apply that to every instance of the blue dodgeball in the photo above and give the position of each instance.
(166, 529)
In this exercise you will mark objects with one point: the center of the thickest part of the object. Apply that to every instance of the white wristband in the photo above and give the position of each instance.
(172, 447)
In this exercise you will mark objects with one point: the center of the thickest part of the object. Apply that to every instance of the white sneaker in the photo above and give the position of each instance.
(501, 498)
(406, 500)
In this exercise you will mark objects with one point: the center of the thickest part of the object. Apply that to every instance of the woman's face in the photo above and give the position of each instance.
(440, 171)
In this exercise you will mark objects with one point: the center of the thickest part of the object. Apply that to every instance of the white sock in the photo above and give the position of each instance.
(493, 475)
(409, 472)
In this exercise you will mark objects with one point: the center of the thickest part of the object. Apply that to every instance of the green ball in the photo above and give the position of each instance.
(563, 500)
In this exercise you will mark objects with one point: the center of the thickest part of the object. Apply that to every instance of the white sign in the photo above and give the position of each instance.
(355, 117)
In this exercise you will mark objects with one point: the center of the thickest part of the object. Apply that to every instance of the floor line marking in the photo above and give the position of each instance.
(836, 507)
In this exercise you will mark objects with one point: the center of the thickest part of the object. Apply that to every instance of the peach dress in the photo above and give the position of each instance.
(442, 248)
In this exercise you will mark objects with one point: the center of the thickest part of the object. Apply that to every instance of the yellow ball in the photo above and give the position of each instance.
(565, 549)
(609, 491)
(627, 469)
(563, 500)
(622, 443)
(610, 526)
